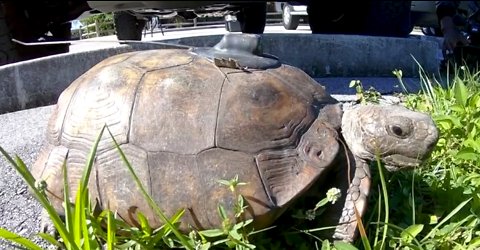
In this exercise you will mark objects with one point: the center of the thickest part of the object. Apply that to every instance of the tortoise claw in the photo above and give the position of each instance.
(46, 224)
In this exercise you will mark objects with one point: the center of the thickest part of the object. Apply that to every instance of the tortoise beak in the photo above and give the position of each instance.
(396, 162)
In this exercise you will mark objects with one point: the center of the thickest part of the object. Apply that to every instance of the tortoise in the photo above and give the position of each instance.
(187, 118)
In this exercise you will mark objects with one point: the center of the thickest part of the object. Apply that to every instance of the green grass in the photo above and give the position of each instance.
(436, 206)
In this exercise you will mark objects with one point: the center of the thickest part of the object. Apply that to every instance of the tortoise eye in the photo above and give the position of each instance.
(398, 131)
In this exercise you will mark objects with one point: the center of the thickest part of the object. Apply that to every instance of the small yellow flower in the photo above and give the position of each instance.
(333, 194)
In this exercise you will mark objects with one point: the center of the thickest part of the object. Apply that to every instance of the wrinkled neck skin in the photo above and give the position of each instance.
(352, 133)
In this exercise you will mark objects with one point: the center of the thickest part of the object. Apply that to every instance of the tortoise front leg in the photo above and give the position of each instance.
(352, 176)
(355, 198)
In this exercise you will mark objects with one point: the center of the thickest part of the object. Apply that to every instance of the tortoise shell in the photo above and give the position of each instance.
(185, 123)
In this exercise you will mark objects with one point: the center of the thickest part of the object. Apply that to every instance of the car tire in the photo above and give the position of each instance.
(430, 31)
(62, 32)
(8, 52)
(290, 22)
(127, 26)
(14, 25)
(253, 18)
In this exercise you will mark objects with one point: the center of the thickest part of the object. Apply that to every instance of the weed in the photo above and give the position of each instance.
(371, 95)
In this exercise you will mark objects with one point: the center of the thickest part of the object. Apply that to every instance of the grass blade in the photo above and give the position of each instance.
(361, 228)
(69, 220)
(111, 229)
(13, 237)
(400, 229)
(379, 215)
(385, 200)
(82, 206)
(80, 232)
(77, 232)
(90, 161)
(52, 240)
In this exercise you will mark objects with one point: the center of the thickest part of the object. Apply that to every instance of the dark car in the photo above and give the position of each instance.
(424, 16)
(39, 21)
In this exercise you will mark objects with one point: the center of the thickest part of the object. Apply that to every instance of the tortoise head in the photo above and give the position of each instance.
(400, 137)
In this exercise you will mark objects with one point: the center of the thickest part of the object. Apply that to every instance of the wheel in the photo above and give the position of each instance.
(289, 22)
(253, 17)
(232, 24)
(8, 52)
(127, 26)
(60, 32)
(14, 24)
(430, 31)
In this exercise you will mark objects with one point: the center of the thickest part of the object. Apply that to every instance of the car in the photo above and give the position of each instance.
(43, 21)
(292, 13)
(423, 14)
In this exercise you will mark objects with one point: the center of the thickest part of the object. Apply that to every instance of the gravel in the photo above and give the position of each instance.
(22, 133)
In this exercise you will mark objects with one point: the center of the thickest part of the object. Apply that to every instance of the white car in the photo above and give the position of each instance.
(292, 14)
(423, 15)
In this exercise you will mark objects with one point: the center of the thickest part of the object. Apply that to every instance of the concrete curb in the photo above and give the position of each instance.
(39, 82)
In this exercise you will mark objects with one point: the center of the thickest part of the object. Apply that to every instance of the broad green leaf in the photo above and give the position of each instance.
(467, 154)
(474, 144)
(222, 212)
(127, 245)
(234, 234)
(205, 246)
(474, 100)
(353, 83)
(144, 224)
(411, 232)
(224, 182)
(433, 219)
(461, 93)
(222, 241)
(459, 109)
(447, 122)
(231, 244)
(211, 233)
(326, 245)
(344, 246)
(474, 243)
(241, 224)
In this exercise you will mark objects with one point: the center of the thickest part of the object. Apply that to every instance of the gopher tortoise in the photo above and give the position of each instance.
(187, 118)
